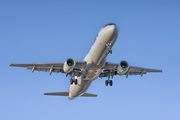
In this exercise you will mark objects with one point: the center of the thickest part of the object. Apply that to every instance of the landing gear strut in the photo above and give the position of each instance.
(110, 82)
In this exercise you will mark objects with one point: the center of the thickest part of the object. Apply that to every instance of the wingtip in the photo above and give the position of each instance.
(11, 64)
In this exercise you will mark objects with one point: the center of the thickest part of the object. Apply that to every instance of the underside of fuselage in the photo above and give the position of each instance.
(95, 60)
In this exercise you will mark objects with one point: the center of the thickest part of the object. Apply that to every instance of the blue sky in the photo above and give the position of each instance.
(44, 32)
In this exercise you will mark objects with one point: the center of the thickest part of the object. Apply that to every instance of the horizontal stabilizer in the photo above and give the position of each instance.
(88, 95)
(67, 93)
(58, 93)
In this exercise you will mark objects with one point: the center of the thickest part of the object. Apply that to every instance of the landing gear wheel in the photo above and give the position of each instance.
(110, 51)
(106, 82)
(75, 81)
(110, 82)
(71, 81)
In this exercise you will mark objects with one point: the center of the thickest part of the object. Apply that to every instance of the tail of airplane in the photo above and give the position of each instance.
(67, 93)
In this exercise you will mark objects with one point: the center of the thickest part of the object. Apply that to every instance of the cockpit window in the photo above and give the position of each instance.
(108, 24)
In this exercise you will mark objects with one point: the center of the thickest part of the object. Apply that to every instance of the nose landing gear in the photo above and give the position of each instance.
(110, 51)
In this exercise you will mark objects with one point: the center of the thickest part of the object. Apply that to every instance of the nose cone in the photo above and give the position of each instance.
(112, 28)
(110, 32)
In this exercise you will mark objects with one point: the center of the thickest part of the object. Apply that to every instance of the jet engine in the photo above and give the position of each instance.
(69, 65)
(122, 67)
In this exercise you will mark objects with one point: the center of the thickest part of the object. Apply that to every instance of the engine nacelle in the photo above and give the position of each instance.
(69, 65)
(122, 67)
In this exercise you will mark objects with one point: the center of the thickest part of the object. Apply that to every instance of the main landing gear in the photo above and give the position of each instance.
(75, 81)
(110, 82)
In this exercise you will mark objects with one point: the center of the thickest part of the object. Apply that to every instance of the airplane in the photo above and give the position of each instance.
(94, 65)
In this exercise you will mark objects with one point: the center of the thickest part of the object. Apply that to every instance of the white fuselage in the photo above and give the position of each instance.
(95, 59)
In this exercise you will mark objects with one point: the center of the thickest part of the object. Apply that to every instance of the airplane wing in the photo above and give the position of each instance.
(52, 67)
(111, 69)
